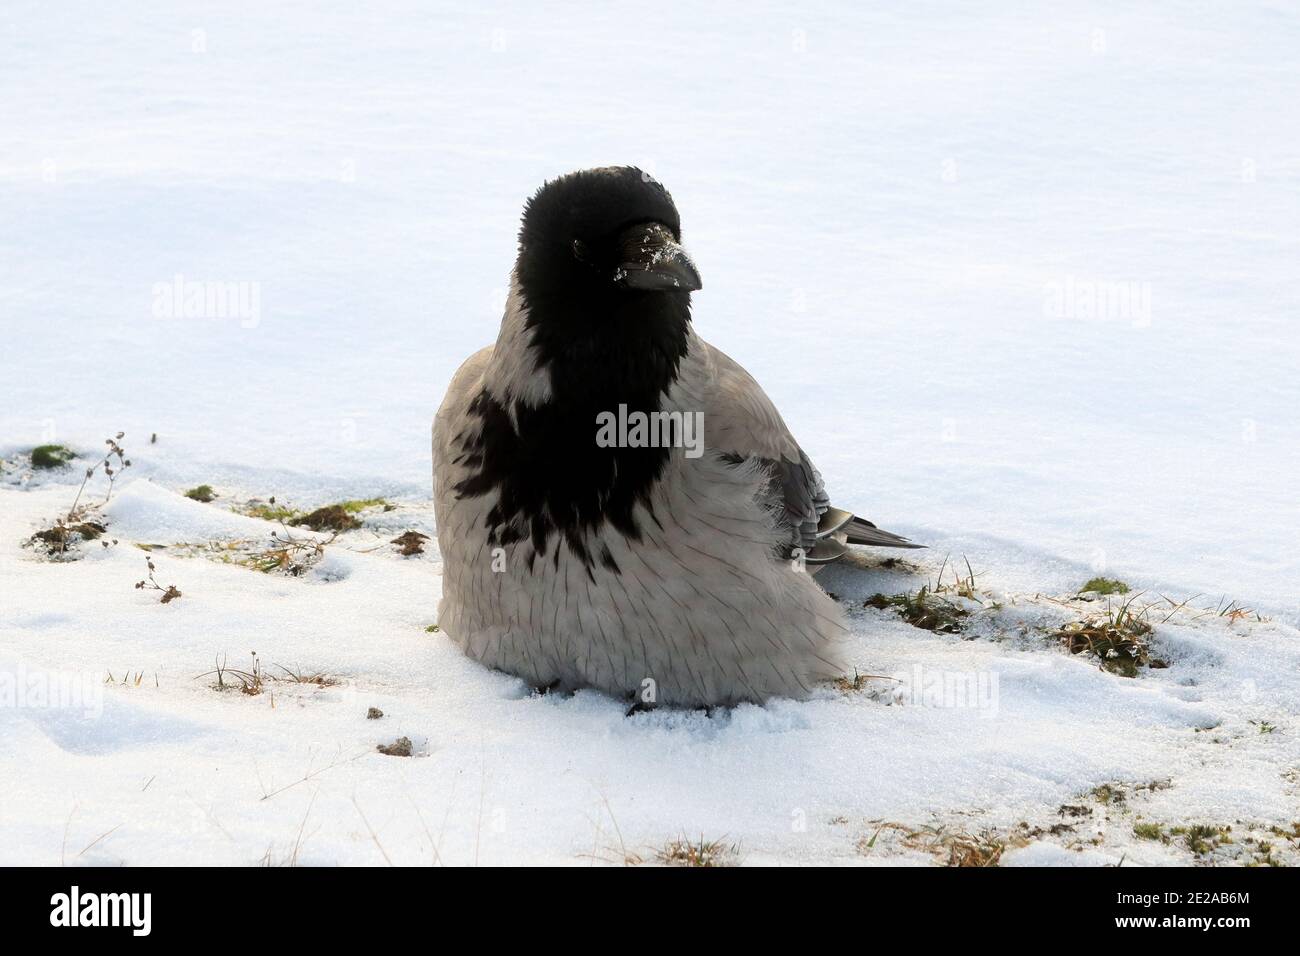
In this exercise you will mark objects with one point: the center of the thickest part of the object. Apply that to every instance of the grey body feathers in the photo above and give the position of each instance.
(703, 609)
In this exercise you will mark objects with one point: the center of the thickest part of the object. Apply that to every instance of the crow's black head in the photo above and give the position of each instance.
(606, 284)
(602, 234)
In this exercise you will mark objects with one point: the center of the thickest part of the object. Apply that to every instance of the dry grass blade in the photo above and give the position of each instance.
(957, 849)
(686, 852)
(924, 610)
(251, 682)
(1119, 639)
(300, 676)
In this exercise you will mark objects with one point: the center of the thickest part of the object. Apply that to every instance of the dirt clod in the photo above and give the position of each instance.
(401, 747)
(329, 518)
(410, 543)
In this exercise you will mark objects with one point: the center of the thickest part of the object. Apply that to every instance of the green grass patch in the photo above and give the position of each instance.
(1150, 831)
(203, 493)
(335, 517)
(1105, 586)
(1202, 838)
(357, 505)
(51, 456)
(271, 511)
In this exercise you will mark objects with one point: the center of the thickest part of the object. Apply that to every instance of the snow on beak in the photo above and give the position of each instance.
(653, 260)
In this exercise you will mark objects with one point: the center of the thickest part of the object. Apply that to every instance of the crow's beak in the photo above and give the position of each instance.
(654, 261)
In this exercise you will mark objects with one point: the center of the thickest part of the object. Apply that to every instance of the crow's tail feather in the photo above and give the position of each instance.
(862, 531)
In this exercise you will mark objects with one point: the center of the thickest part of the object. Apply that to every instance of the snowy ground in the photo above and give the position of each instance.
(901, 218)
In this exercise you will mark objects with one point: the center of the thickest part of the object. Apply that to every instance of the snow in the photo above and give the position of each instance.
(900, 218)
(147, 512)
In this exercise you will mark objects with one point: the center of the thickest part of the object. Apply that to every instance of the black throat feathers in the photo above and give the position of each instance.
(553, 480)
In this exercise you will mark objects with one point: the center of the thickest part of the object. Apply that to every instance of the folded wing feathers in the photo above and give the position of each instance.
(802, 495)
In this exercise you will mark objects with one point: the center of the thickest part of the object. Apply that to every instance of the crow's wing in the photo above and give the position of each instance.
(742, 423)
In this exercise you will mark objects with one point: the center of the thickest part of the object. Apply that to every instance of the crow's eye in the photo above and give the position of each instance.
(579, 250)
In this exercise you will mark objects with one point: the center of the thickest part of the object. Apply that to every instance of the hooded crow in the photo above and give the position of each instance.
(618, 503)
